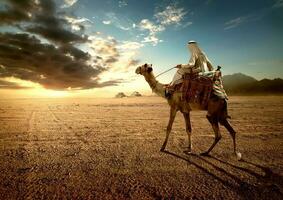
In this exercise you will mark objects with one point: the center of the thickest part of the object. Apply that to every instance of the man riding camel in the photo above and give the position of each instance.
(199, 63)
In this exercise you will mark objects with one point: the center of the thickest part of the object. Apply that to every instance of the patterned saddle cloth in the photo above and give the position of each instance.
(196, 89)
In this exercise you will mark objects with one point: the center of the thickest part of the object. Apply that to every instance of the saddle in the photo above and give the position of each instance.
(196, 89)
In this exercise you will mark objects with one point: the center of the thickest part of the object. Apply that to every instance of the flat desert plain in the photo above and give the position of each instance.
(109, 149)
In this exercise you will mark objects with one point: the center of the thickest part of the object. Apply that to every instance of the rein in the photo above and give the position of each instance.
(164, 72)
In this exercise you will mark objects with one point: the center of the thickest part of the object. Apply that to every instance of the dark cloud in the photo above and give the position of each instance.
(77, 53)
(58, 64)
(16, 11)
(25, 57)
(57, 34)
(47, 24)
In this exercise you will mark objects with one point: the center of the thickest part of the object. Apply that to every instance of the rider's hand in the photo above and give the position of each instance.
(178, 66)
(217, 73)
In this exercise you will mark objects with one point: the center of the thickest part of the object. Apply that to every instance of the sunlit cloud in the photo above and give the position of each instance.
(130, 45)
(78, 23)
(122, 3)
(68, 3)
(252, 16)
(117, 21)
(153, 30)
(171, 15)
(233, 23)
(107, 22)
(187, 24)
(118, 57)
(146, 24)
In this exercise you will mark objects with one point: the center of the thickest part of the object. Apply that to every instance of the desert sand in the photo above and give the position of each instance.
(109, 149)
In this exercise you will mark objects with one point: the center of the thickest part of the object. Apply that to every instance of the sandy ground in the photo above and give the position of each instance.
(109, 149)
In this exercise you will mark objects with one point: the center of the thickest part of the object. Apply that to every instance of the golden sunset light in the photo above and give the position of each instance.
(134, 100)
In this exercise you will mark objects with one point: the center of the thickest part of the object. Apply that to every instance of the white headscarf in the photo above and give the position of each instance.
(197, 53)
(194, 48)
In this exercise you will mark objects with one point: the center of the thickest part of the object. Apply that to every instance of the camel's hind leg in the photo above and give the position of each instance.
(173, 112)
(188, 130)
(215, 126)
(232, 132)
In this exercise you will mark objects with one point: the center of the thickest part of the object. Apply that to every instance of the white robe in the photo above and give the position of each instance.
(201, 64)
(198, 63)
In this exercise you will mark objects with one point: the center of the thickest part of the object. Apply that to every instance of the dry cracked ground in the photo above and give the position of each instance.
(109, 149)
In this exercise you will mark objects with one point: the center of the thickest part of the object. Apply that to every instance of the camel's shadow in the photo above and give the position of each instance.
(268, 184)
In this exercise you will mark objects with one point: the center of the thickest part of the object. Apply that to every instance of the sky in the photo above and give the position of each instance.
(91, 48)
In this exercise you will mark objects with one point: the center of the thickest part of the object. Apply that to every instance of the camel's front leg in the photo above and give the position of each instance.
(173, 112)
(188, 130)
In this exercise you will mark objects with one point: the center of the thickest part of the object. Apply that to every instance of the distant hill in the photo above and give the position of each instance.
(136, 94)
(120, 95)
(242, 84)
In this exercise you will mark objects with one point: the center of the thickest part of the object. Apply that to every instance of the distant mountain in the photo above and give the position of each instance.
(242, 84)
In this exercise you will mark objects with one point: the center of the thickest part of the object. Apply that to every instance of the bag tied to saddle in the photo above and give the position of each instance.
(196, 89)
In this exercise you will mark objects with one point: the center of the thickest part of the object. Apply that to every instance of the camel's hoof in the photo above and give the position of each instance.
(239, 156)
(204, 154)
(188, 151)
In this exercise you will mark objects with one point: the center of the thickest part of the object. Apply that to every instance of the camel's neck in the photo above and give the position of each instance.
(156, 87)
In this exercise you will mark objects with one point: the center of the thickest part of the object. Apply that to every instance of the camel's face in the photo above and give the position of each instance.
(144, 69)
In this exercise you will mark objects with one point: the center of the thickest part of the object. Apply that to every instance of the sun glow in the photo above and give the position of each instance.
(28, 89)
(50, 93)
(22, 83)
(31, 89)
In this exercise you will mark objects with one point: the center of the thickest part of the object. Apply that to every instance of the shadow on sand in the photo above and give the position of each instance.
(268, 184)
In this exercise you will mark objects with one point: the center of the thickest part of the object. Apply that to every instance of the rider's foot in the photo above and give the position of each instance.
(167, 94)
(169, 90)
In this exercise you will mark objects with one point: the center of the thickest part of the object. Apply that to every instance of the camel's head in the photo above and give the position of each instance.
(144, 69)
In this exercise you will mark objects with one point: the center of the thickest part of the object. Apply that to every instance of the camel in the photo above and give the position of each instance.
(217, 111)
